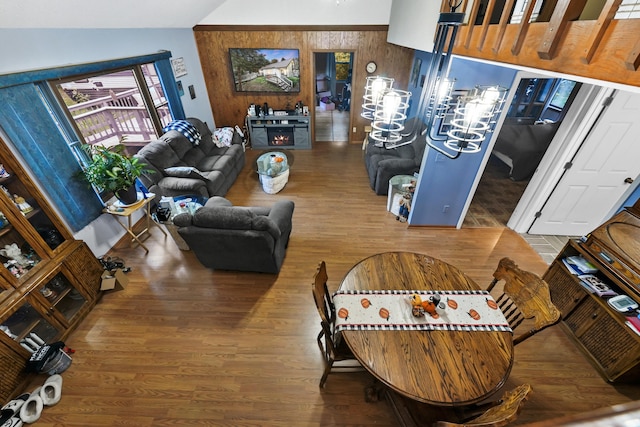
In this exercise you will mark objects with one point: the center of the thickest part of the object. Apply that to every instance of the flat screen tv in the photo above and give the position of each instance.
(265, 70)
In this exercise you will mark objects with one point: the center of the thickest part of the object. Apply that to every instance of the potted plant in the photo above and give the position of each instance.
(110, 169)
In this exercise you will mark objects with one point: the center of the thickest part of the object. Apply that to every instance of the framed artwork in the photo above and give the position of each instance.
(179, 69)
(265, 70)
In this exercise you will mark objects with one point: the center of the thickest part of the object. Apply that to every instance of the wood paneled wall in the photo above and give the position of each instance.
(368, 43)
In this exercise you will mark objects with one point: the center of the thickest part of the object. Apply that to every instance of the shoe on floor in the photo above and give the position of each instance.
(51, 390)
(15, 405)
(12, 422)
(32, 408)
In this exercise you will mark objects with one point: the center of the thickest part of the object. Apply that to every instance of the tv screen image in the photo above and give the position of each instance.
(265, 70)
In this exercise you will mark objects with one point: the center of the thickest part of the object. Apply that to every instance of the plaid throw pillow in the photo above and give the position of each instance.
(186, 128)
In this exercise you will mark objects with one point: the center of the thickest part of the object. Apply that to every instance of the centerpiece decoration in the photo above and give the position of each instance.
(275, 165)
(111, 170)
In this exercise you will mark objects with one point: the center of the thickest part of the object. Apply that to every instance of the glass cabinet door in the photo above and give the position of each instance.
(25, 203)
(63, 298)
(28, 327)
(26, 231)
(17, 255)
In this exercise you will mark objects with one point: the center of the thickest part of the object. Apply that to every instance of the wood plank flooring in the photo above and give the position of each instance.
(331, 126)
(186, 346)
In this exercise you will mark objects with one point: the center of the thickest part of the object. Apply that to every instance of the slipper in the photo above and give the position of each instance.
(15, 405)
(12, 422)
(51, 390)
(32, 408)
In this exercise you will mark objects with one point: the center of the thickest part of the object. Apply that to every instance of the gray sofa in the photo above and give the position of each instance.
(227, 237)
(383, 164)
(178, 167)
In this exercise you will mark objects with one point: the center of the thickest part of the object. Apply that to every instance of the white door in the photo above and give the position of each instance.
(600, 174)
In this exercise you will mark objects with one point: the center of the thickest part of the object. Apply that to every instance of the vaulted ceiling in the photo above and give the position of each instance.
(104, 13)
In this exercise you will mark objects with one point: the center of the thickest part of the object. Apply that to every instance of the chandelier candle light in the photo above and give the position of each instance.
(389, 117)
(374, 89)
(450, 129)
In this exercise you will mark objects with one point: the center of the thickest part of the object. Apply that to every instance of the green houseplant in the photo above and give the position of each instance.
(110, 169)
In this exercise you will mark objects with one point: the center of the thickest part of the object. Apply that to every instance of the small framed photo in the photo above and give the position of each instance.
(179, 69)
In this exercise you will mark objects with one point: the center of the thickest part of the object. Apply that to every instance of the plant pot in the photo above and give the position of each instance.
(128, 196)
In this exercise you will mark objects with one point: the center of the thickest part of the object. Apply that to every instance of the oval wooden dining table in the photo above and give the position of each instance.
(437, 367)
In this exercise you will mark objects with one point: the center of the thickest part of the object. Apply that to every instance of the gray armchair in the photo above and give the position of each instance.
(383, 164)
(227, 237)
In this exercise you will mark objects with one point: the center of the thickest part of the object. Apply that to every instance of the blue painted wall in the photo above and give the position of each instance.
(633, 197)
(444, 184)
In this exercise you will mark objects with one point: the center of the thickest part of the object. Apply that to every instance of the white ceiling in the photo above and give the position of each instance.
(104, 13)
(112, 14)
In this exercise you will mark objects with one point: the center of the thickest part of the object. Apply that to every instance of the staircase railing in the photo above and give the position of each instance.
(564, 36)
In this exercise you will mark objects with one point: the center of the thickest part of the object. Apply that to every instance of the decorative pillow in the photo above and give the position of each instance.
(184, 172)
(224, 136)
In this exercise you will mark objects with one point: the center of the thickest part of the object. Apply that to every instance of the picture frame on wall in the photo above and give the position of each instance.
(265, 70)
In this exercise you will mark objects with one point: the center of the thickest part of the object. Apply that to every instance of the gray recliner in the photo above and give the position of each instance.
(227, 237)
(383, 164)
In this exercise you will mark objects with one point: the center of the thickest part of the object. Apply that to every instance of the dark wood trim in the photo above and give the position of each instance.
(291, 28)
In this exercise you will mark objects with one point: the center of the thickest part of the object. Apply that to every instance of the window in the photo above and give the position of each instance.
(343, 65)
(125, 106)
(42, 132)
(562, 94)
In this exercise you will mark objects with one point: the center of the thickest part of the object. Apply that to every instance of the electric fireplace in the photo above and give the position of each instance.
(280, 136)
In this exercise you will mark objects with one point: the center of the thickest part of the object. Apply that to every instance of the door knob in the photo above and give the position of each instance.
(628, 181)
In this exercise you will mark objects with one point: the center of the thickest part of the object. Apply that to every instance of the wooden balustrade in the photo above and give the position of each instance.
(556, 38)
(117, 117)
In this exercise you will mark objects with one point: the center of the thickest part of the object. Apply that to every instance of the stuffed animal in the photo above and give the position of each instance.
(13, 252)
(429, 306)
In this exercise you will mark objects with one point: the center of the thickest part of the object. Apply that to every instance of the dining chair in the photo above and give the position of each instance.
(333, 348)
(524, 296)
(504, 411)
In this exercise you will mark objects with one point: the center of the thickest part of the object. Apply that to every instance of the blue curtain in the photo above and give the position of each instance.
(36, 137)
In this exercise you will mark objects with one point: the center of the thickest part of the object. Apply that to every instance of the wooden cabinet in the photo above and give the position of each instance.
(48, 280)
(599, 330)
(280, 131)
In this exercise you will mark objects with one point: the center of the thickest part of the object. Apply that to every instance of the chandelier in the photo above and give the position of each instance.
(451, 126)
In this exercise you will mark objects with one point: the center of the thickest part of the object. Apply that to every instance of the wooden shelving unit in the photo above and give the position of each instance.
(597, 329)
(49, 280)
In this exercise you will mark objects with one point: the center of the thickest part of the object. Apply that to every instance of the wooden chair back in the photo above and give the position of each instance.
(333, 349)
(321, 296)
(524, 296)
(504, 412)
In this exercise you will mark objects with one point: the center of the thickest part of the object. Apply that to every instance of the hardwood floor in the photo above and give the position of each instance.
(332, 125)
(183, 345)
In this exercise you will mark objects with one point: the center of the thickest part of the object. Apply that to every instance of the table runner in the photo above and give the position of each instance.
(392, 310)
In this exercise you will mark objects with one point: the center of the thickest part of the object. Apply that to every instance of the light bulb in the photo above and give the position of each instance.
(377, 89)
(390, 104)
(490, 95)
(474, 111)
